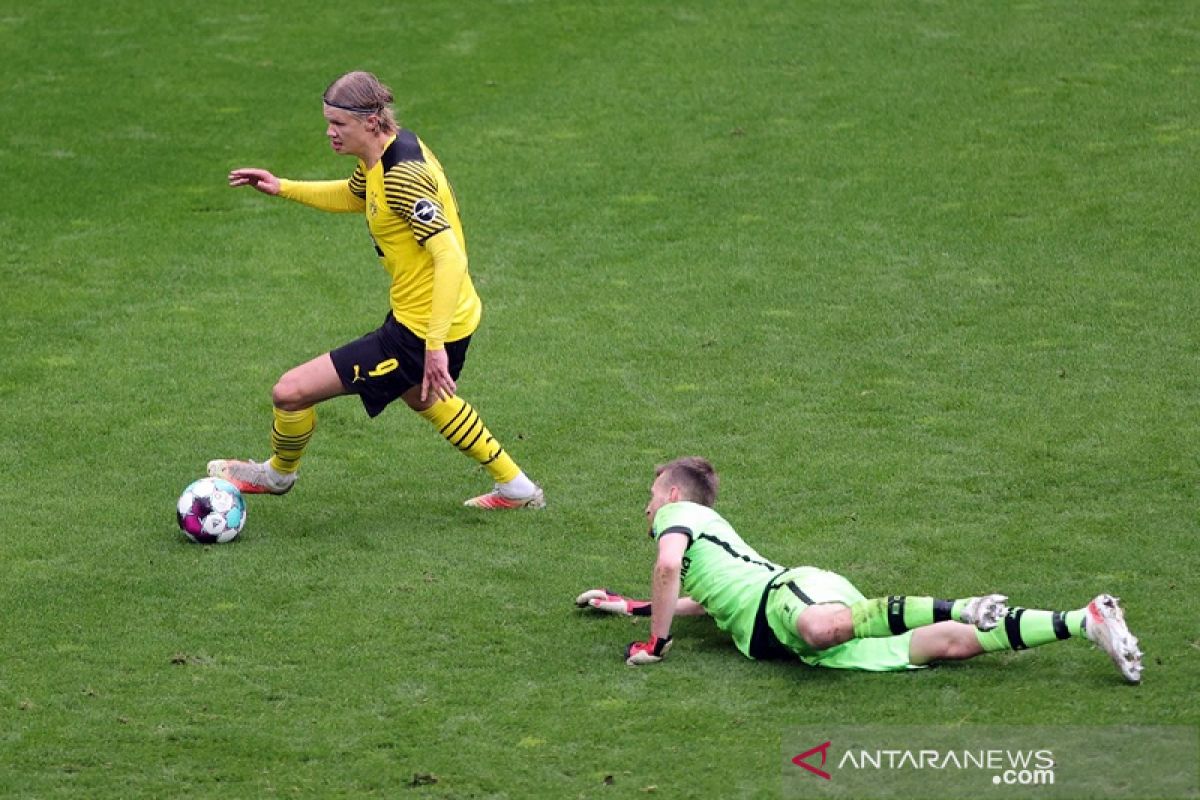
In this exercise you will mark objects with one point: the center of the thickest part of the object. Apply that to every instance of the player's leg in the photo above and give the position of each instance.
(836, 612)
(810, 615)
(1102, 621)
(825, 625)
(828, 625)
(944, 641)
(824, 619)
(460, 424)
(890, 616)
(812, 609)
(310, 383)
(294, 400)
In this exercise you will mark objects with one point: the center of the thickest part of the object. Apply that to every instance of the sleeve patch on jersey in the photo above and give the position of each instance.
(425, 210)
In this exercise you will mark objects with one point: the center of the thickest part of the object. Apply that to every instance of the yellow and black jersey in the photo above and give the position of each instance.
(408, 201)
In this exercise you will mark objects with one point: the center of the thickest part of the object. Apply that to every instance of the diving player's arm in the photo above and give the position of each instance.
(687, 607)
(664, 595)
(612, 603)
(664, 588)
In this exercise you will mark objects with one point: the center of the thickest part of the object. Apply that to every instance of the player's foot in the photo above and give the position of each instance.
(495, 501)
(985, 612)
(251, 477)
(1106, 627)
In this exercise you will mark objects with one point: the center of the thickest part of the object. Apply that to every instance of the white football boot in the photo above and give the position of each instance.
(251, 477)
(1106, 627)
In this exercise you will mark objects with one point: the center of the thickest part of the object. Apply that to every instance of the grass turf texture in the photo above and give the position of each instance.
(919, 278)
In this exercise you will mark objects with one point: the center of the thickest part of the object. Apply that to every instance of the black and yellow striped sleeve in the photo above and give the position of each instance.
(358, 183)
(411, 190)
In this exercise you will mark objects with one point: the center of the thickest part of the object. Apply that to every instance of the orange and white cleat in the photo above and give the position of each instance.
(251, 477)
(1106, 627)
(495, 501)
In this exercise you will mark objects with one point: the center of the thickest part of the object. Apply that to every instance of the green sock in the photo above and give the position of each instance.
(1023, 628)
(890, 616)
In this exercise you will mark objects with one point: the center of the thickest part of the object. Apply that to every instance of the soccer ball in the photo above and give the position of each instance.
(211, 511)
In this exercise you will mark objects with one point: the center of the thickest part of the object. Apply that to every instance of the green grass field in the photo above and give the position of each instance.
(919, 278)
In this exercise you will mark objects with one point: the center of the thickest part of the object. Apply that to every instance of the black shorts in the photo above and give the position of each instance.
(387, 362)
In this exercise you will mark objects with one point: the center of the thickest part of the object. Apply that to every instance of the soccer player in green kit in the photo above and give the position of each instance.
(819, 616)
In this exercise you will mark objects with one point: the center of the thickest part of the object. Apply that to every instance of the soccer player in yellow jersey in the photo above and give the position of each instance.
(417, 354)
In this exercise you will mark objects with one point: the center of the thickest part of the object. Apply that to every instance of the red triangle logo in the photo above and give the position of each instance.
(823, 749)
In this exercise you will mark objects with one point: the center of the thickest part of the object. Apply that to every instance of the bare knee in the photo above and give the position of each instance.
(412, 399)
(289, 395)
(962, 645)
(944, 641)
(822, 627)
(308, 384)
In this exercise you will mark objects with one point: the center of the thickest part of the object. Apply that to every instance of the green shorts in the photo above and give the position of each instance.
(784, 606)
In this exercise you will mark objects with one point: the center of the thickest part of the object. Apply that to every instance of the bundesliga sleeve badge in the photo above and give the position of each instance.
(425, 210)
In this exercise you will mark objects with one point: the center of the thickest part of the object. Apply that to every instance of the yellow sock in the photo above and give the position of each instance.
(289, 436)
(460, 424)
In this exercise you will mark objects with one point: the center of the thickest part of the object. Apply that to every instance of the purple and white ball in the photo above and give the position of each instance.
(211, 511)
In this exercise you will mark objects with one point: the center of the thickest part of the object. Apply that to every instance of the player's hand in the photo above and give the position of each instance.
(437, 383)
(651, 652)
(260, 179)
(612, 603)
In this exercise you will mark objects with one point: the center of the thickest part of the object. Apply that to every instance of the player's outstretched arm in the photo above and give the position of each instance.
(611, 602)
(260, 179)
(687, 607)
(664, 594)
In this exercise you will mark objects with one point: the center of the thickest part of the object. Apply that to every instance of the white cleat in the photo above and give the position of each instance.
(1106, 627)
(985, 612)
(494, 501)
(251, 477)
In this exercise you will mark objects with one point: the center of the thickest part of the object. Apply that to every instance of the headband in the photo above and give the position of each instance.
(353, 109)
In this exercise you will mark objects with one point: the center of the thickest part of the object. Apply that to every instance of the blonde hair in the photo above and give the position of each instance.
(361, 94)
(695, 476)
